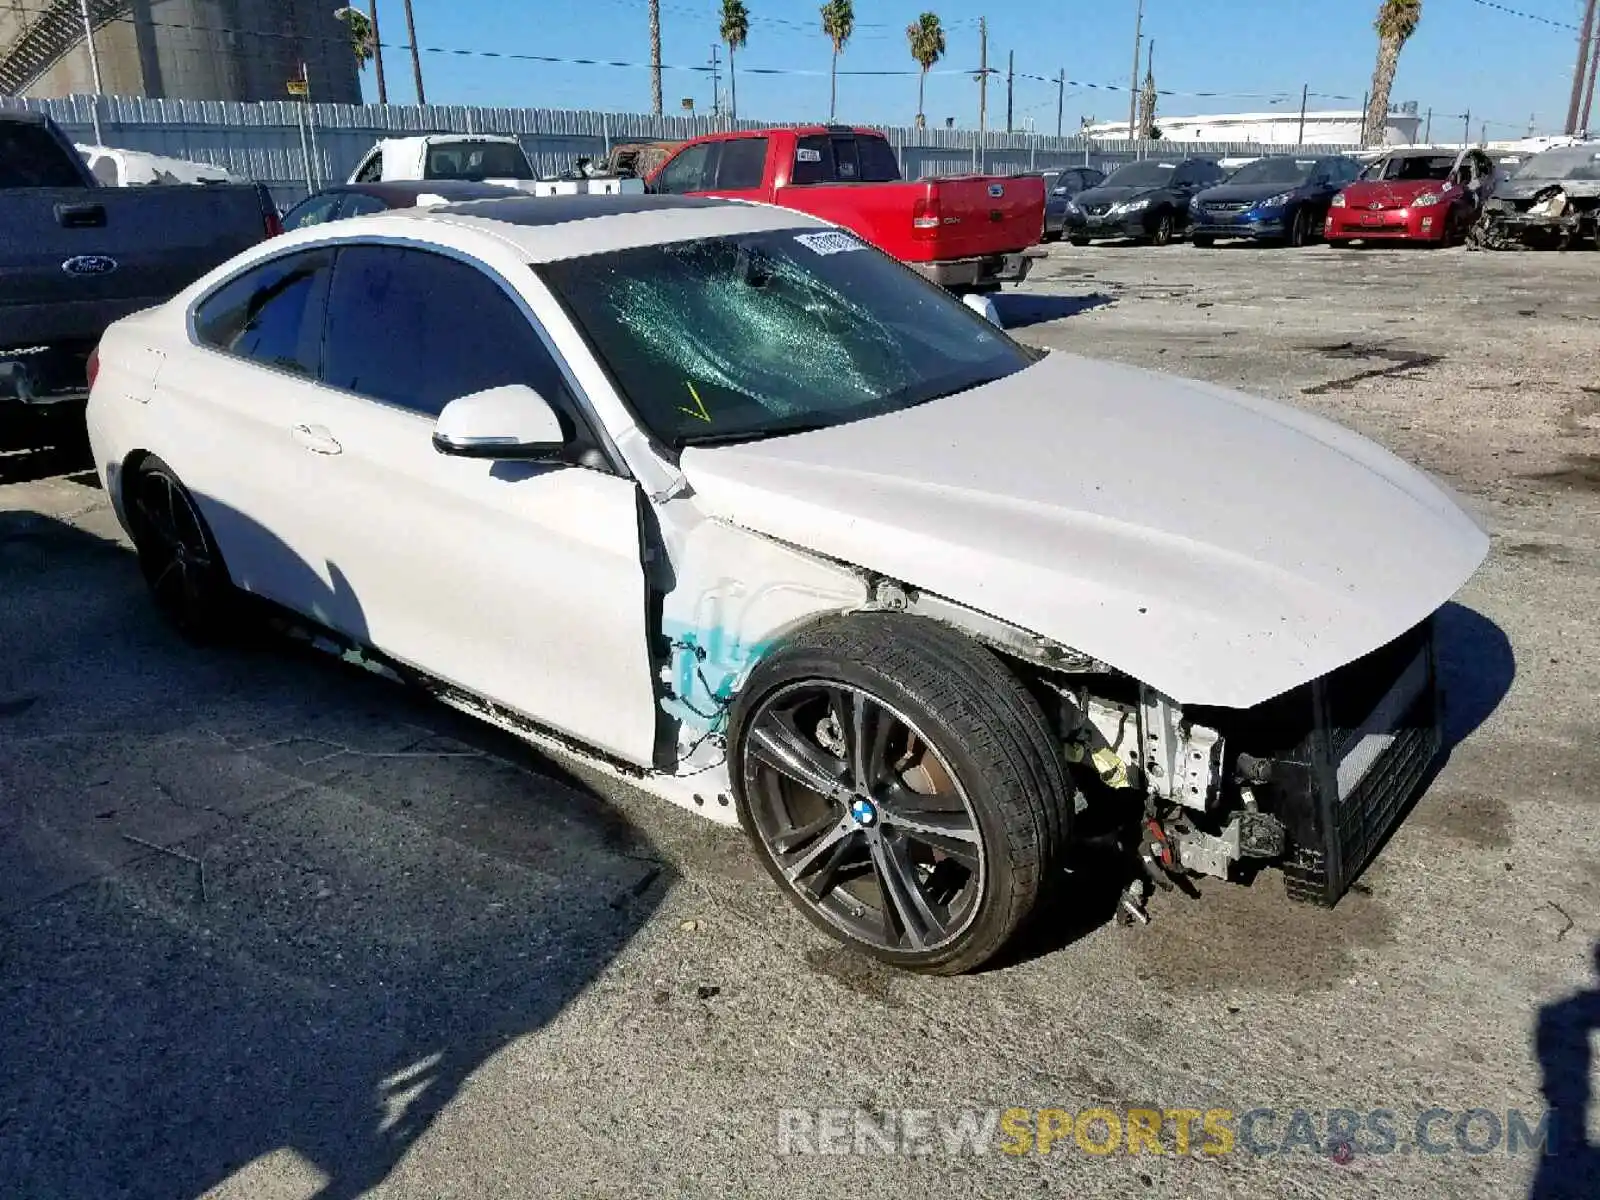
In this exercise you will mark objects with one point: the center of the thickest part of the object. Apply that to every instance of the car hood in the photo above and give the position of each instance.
(1113, 195)
(1392, 193)
(1248, 193)
(1219, 547)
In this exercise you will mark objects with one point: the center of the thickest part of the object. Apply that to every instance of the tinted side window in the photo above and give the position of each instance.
(418, 330)
(31, 157)
(359, 204)
(271, 315)
(743, 164)
(877, 160)
(312, 211)
(690, 171)
(372, 170)
(813, 161)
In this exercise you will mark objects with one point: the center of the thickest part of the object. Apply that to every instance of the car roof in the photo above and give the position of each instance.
(551, 228)
(406, 191)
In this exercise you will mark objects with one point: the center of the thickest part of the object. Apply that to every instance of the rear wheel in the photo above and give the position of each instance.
(1161, 235)
(902, 788)
(177, 554)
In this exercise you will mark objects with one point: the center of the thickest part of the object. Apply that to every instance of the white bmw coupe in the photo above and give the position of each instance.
(737, 507)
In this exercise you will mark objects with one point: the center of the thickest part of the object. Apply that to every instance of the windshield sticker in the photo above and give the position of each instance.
(804, 155)
(699, 410)
(828, 243)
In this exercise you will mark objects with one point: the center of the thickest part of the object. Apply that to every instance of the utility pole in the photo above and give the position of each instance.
(377, 51)
(94, 66)
(1011, 83)
(983, 85)
(416, 55)
(1300, 138)
(1585, 38)
(1365, 96)
(1466, 132)
(1133, 83)
(716, 81)
(1061, 98)
(1427, 129)
(1588, 97)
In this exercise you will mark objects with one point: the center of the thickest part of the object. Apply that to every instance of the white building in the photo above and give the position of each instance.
(1340, 127)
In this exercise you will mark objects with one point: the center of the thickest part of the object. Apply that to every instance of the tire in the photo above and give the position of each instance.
(1203, 241)
(178, 555)
(1299, 228)
(963, 805)
(1162, 234)
(1078, 241)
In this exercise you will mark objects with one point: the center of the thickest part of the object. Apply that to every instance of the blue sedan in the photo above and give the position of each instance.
(1280, 198)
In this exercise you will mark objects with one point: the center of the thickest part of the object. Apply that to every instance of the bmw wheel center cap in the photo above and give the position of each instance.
(863, 812)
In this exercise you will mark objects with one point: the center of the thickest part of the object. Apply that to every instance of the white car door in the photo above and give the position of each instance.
(236, 415)
(522, 583)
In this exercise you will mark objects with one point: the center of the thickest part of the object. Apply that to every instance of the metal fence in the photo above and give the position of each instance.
(294, 148)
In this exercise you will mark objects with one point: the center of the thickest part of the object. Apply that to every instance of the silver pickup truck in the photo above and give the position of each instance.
(76, 256)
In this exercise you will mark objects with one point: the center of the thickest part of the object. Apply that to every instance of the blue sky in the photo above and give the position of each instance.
(1467, 55)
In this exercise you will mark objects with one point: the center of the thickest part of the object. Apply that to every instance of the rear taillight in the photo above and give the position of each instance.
(925, 217)
(93, 365)
(274, 223)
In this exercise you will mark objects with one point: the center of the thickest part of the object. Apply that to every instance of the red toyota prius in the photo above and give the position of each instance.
(1413, 195)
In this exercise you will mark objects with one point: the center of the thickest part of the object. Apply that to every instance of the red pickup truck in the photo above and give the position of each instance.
(973, 231)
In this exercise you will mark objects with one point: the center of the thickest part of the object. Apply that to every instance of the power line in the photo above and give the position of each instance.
(1526, 16)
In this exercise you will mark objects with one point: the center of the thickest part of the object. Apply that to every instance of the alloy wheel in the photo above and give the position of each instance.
(173, 548)
(863, 816)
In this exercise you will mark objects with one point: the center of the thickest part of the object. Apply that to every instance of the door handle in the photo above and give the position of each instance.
(316, 439)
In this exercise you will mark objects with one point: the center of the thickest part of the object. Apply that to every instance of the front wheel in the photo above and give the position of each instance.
(1300, 228)
(902, 788)
(1161, 235)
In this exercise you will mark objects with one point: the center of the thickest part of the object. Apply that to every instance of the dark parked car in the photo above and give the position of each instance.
(1061, 186)
(1147, 200)
(362, 199)
(1280, 198)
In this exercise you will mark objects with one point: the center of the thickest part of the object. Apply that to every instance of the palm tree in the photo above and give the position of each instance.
(1397, 21)
(838, 22)
(926, 36)
(735, 31)
(655, 57)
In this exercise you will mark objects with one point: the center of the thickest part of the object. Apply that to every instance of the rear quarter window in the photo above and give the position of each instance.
(31, 157)
(271, 315)
(877, 160)
(813, 161)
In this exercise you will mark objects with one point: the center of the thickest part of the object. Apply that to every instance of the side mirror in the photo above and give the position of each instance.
(511, 422)
(984, 307)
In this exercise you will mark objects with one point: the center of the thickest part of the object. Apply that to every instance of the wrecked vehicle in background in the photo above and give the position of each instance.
(1553, 200)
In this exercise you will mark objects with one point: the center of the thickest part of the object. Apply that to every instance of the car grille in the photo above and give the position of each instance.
(1352, 748)
(1225, 206)
(1097, 210)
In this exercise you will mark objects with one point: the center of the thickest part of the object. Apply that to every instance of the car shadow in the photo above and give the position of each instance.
(1018, 310)
(1564, 1038)
(259, 902)
(1476, 669)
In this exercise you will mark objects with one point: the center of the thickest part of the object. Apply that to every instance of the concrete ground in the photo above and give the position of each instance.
(272, 928)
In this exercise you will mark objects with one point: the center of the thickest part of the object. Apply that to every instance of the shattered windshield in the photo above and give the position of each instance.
(1411, 166)
(1142, 174)
(1275, 170)
(1569, 162)
(753, 335)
